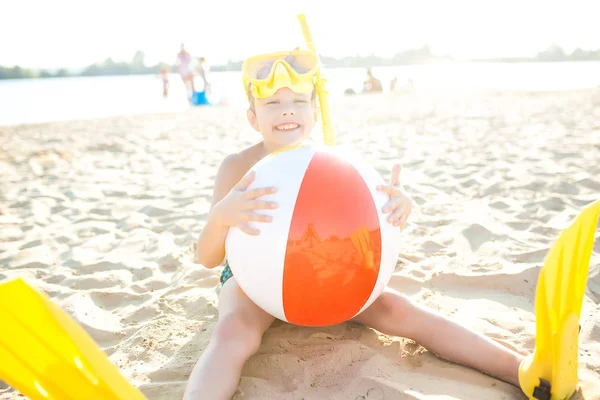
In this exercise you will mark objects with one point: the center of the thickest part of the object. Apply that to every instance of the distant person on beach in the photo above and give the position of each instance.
(408, 87)
(203, 71)
(183, 63)
(394, 84)
(164, 76)
(372, 84)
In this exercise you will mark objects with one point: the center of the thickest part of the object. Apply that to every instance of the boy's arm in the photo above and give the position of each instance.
(210, 250)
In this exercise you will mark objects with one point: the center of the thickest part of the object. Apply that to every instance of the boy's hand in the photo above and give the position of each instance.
(400, 204)
(238, 206)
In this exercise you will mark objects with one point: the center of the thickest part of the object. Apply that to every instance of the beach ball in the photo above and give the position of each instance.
(329, 251)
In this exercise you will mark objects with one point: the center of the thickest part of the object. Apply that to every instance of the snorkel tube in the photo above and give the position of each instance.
(328, 134)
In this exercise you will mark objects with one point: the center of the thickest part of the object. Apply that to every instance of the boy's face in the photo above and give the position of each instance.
(284, 119)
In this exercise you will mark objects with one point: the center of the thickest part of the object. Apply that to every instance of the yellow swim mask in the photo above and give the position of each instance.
(265, 74)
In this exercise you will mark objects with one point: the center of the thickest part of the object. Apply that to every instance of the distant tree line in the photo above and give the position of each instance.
(554, 53)
(423, 55)
(137, 66)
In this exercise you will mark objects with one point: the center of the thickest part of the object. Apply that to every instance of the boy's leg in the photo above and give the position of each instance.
(396, 315)
(236, 337)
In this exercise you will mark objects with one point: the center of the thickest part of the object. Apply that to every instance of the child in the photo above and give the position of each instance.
(164, 76)
(283, 110)
(203, 71)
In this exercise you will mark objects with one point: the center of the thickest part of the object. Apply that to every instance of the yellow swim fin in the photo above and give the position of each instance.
(45, 355)
(550, 373)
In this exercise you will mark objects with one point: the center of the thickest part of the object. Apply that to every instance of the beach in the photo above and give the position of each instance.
(103, 215)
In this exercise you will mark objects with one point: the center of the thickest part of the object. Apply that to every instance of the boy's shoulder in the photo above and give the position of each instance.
(239, 163)
(233, 168)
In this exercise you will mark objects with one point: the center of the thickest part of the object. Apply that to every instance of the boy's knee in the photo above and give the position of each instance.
(395, 306)
(236, 331)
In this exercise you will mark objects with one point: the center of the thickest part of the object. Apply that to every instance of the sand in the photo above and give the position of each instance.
(102, 215)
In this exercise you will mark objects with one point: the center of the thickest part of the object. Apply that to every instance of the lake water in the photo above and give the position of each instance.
(44, 100)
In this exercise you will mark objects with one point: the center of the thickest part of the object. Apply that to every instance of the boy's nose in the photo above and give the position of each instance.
(287, 113)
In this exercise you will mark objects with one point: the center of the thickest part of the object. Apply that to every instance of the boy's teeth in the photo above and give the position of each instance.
(285, 127)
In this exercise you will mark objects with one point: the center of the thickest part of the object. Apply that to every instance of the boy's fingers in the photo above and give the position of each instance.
(260, 205)
(392, 204)
(403, 221)
(389, 189)
(388, 207)
(247, 229)
(396, 214)
(250, 216)
(258, 192)
(395, 180)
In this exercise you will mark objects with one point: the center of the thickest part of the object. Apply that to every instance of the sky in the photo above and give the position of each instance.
(74, 34)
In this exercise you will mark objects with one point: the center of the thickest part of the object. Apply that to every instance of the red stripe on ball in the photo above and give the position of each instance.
(334, 245)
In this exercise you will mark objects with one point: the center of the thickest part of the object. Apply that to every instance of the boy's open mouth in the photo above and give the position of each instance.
(287, 126)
